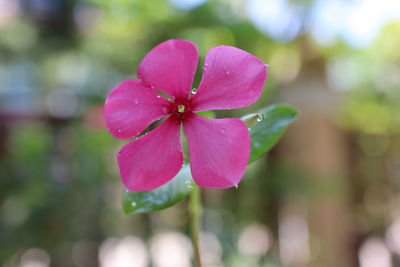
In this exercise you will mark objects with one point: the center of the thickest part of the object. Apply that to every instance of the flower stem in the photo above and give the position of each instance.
(194, 211)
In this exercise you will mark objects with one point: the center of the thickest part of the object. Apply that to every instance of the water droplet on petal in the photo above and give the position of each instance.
(136, 101)
(164, 109)
(226, 70)
(119, 130)
(133, 204)
(259, 119)
(194, 91)
(158, 96)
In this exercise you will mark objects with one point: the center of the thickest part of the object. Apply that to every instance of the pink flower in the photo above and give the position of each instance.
(219, 148)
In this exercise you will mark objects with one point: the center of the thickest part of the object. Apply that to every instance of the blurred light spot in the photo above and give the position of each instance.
(374, 253)
(35, 257)
(374, 145)
(62, 103)
(357, 22)
(73, 70)
(377, 196)
(171, 250)
(255, 239)
(14, 211)
(86, 17)
(285, 64)
(276, 18)
(343, 73)
(60, 169)
(293, 239)
(44, 9)
(210, 249)
(187, 4)
(393, 236)
(328, 18)
(9, 9)
(213, 221)
(84, 253)
(94, 118)
(230, 10)
(126, 252)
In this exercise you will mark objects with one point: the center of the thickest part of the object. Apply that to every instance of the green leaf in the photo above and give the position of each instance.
(159, 198)
(269, 128)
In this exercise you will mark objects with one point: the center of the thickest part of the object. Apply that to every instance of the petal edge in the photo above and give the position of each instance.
(153, 159)
(170, 67)
(130, 108)
(232, 78)
(219, 150)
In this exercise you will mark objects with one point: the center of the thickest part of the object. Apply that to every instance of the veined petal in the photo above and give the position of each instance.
(170, 68)
(153, 159)
(219, 150)
(130, 108)
(232, 78)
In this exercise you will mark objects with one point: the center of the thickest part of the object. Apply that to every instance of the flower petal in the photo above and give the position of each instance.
(170, 68)
(131, 107)
(219, 150)
(153, 159)
(232, 78)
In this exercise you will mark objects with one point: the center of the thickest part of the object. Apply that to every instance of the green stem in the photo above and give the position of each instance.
(194, 211)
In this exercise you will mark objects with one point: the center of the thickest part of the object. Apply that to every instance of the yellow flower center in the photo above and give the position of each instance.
(181, 108)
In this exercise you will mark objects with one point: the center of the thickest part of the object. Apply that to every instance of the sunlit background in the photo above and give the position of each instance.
(326, 195)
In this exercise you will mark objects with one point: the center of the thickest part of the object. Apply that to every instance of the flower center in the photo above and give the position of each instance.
(180, 108)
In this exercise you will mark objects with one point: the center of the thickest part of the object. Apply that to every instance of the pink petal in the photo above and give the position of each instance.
(153, 159)
(232, 78)
(219, 150)
(131, 107)
(170, 68)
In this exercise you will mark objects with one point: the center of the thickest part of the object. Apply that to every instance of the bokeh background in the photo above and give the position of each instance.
(326, 195)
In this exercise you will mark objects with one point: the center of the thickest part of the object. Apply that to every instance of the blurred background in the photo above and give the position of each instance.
(326, 195)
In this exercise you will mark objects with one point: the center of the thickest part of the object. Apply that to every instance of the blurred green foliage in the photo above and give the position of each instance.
(59, 184)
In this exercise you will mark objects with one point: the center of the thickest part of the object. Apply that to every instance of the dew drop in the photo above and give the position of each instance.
(249, 129)
(158, 96)
(164, 109)
(133, 204)
(119, 130)
(226, 70)
(136, 101)
(222, 131)
(259, 119)
(194, 91)
(188, 184)
(256, 144)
